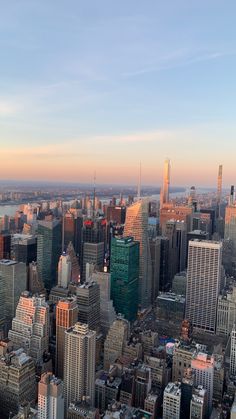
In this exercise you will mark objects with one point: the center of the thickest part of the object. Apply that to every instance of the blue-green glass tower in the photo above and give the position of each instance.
(124, 276)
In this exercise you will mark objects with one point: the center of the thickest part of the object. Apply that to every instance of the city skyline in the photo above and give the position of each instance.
(101, 87)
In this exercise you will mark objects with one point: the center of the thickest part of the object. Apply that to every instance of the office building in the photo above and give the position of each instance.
(30, 326)
(124, 268)
(24, 248)
(233, 352)
(203, 283)
(5, 246)
(14, 279)
(48, 251)
(182, 359)
(107, 311)
(75, 268)
(35, 284)
(64, 271)
(136, 226)
(176, 213)
(115, 341)
(116, 214)
(79, 369)
(230, 230)
(88, 301)
(172, 401)
(226, 311)
(142, 385)
(72, 228)
(50, 397)
(93, 254)
(17, 381)
(66, 317)
(179, 283)
(164, 284)
(81, 410)
(170, 307)
(203, 369)
(198, 406)
(155, 251)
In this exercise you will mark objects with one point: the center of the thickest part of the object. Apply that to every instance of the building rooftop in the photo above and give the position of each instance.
(173, 388)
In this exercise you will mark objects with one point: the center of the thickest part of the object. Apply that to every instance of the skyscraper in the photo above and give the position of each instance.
(48, 251)
(30, 326)
(136, 226)
(5, 246)
(64, 271)
(203, 283)
(14, 279)
(125, 276)
(233, 352)
(20, 384)
(88, 301)
(79, 368)
(166, 181)
(219, 189)
(115, 341)
(66, 317)
(50, 397)
(203, 369)
(230, 231)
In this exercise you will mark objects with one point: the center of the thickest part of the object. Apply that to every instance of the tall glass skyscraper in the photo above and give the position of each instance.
(136, 226)
(124, 276)
(48, 251)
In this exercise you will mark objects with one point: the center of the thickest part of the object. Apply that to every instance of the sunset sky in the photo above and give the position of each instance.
(102, 84)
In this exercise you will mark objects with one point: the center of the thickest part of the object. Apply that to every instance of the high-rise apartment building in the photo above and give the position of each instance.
(48, 251)
(66, 317)
(115, 341)
(203, 283)
(30, 326)
(64, 271)
(79, 368)
(166, 181)
(17, 381)
(14, 280)
(124, 268)
(203, 369)
(50, 397)
(136, 226)
(172, 401)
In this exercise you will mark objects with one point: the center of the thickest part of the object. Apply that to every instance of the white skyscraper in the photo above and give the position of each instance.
(203, 283)
(79, 368)
(64, 271)
(136, 226)
(30, 326)
(50, 397)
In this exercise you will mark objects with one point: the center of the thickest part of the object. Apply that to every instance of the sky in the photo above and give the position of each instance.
(100, 85)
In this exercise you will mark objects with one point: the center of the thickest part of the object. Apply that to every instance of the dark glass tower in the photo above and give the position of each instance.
(124, 276)
(48, 251)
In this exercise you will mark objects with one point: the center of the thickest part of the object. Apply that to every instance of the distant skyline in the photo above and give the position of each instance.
(101, 85)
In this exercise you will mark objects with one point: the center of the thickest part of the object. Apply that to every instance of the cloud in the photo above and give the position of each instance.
(178, 59)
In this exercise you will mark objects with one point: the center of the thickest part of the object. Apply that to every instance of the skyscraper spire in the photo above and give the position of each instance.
(219, 188)
(166, 181)
(139, 182)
